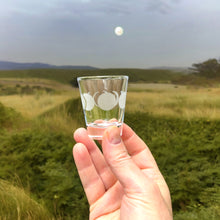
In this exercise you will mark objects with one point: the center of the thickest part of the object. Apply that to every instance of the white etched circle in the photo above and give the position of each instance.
(87, 102)
(122, 100)
(83, 101)
(107, 101)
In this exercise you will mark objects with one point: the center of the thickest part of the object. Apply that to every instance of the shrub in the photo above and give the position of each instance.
(8, 117)
(187, 153)
(43, 161)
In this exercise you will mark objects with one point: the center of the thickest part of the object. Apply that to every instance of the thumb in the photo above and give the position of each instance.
(121, 163)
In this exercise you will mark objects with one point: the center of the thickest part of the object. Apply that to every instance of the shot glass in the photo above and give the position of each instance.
(103, 101)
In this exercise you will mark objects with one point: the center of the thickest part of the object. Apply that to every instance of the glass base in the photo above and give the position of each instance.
(96, 130)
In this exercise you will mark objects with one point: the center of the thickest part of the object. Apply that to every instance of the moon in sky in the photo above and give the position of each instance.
(119, 31)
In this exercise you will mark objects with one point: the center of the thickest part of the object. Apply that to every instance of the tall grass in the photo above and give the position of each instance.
(17, 204)
(59, 120)
(182, 102)
(31, 106)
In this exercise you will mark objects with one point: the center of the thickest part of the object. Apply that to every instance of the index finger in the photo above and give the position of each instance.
(91, 181)
(81, 136)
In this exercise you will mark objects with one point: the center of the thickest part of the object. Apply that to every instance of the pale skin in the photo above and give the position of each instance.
(124, 181)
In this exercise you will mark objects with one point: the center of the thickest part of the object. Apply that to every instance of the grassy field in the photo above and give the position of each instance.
(32, 97)
(176, 101)
(157, 99)
(180, 124)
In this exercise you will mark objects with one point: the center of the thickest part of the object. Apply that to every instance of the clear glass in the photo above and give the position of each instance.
(103, 101)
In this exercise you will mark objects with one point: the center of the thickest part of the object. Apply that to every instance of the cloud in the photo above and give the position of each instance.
(126, 7)
(71, 8)
(161, 6)
(95, 7)
(85, 1)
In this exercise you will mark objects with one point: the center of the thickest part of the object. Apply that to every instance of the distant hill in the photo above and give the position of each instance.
(70, 75)
(176, 69)
(6, 65)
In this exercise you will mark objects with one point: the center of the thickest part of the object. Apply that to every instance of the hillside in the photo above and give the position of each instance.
(69, 76)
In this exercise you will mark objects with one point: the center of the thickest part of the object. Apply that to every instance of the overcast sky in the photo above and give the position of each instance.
(81, 32)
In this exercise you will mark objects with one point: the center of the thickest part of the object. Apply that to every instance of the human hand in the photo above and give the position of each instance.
(124, 182)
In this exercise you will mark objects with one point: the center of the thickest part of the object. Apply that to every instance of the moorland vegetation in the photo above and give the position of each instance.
(180, 124)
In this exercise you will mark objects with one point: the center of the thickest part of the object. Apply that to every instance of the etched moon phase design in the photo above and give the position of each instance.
(107, 101)
(87, 102)
(122, 100)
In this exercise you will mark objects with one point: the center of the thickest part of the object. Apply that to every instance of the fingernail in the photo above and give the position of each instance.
(113, 135)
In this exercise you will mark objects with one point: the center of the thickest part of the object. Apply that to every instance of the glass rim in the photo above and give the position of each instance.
(102, 77)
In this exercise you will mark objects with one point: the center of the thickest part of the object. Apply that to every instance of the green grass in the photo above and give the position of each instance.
(200, 213)
(42, 160)
(38, 150)
(187, 152)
